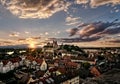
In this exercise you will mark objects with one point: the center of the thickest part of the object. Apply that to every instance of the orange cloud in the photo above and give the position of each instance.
(34, 8)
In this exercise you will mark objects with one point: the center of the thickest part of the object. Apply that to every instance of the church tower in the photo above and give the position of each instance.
(43, 66)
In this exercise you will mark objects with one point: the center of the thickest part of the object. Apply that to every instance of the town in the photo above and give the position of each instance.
(56, 64)
(59, 41)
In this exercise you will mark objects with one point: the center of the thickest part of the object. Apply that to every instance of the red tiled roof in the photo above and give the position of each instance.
(53, 69)
(5, 62)
(62, 70)
(57, 60)
(72, 64)
(67, 57)
(13, 60)
(39, 61)
(95, 71)
(17, 59)
(31, 58)
(44, 81)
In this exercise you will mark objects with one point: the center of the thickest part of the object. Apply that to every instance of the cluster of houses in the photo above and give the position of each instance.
(57, 73)
(28, 61)
(36, 63)
(11, 64)
(62, 71)
(51, 75)
(48, 68)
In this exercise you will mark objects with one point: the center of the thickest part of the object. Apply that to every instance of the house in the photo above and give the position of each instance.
(28, 61)
(36, 63)
(23, 77)
(43, 66)
(50, 47)
(43, 80)
(16, 61)
(1, 67)
(22, 60)
(74, 80)
(72, 65)
(8, 65)
(5, 66)
(95, 71)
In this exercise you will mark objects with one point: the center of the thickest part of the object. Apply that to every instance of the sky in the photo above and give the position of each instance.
(87, 23)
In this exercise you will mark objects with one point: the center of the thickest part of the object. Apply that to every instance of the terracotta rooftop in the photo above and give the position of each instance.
(17, 59)
(72, 64)
(62, 70)
(39, 61)
(44, 80)
(31, 58)
(53, 69)
(5, 62)
(13, 60)
(67, 57)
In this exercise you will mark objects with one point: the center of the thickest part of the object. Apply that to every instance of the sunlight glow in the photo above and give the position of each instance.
(32, 45)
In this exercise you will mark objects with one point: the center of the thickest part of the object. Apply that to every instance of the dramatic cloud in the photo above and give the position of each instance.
(31, 41)
(96, 3)
(88, 29)
(72, 20)
(94, 28)
(45, 8)
(34, 8)
(110, 31)
(4, 42)
(21, 40)
(81, 1)
(95, 31)
(87, 39)
(72, 31)
(30, 38)
(115, 41)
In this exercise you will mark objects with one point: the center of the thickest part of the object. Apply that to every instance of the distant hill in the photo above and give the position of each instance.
(15, 46)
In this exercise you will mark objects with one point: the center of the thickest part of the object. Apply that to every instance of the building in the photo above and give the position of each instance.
(36, 63)
(50, 47)
(8, 65)
(74, 80)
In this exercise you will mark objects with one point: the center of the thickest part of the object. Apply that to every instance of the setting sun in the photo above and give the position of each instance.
(32, 45)
(31, 42)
